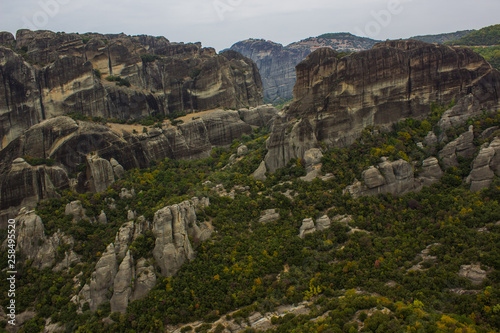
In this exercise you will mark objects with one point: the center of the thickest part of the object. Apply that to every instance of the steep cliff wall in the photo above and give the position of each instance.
(107, 150)
(335, 99)
(45, 74)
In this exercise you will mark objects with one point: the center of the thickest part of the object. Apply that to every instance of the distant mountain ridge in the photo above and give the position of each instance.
(277, 63)
(442, 38)
(341, 41)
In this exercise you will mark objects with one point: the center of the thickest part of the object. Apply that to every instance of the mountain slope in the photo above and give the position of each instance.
(442, 38)
(486, 42)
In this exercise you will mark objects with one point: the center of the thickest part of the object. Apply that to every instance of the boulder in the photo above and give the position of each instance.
(102, 218)
(242, 150)
(307, 227)
(269, 215)
(260, 172)
(474, 273)
(145, 279)
(323, 223)
(75, 209)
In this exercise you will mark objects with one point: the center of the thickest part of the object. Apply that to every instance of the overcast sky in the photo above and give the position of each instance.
(221, 23)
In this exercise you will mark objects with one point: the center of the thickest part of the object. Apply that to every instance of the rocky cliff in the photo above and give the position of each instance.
(277, 63)
(90, 156)
(335, 99)
(120, 278)
(45, 74)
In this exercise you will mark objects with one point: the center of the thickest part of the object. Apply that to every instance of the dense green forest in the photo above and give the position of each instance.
(487, 36)
(363, 280)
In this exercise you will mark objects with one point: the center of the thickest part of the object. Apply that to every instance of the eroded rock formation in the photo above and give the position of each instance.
(46, 74)
(106, 151)
(395, 177)
(172, 226)
(335, 99)
(485, 166)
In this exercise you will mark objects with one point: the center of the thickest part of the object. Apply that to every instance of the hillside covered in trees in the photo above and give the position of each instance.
(386, 263)
(486, 42)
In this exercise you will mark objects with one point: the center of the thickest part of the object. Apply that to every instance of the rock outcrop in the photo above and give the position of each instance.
(474, 273)
(99, 154)
(172, 227)
(335, 99)
(308, 226)
(23, 185)
(41, 250)
(101, 281)
(463, 146)
(269, 215)
(117, 277)
(277, 63)
(395, 177)
(47, 74)
(259, 116)
(485, 166)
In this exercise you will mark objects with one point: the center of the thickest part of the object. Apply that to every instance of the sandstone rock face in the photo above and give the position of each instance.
(485, 166)
(260, 172)
(307, 227)
(259, 116)
(23, 185)
(34, 245)
(117, 271)
(171, 227)
(101, 173)
(431, 172)
(335, 99)
(71, 145)
(394, 177)
(101, 281)
(463, 146)
(145, 279)
(122, 285)
(69, 75)
(277, 63)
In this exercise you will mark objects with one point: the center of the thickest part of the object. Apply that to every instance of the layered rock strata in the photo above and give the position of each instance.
(45, 74)
(335, 99)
